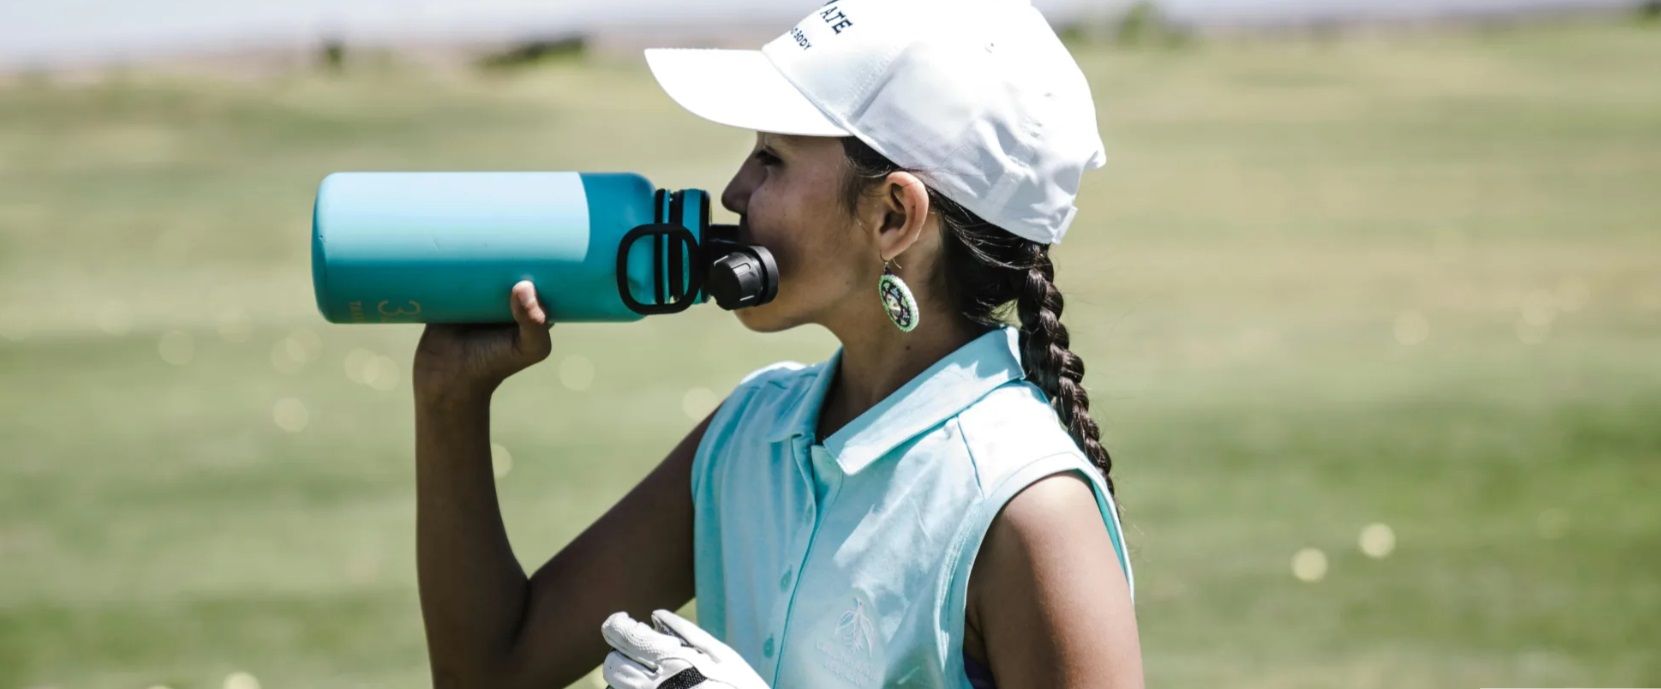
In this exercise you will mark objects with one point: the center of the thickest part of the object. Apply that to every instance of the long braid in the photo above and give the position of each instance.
(989, 270)
(1051, 365)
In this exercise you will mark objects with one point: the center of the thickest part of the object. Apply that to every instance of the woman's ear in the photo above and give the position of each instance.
(903, 208)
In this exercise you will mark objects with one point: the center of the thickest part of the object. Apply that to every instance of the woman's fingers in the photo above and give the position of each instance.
(485, 354)
(692, 633)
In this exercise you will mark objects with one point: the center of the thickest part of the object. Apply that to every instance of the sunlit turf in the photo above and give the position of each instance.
(1325, 291)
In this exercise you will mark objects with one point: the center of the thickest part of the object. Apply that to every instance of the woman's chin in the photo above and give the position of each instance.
(762, 319)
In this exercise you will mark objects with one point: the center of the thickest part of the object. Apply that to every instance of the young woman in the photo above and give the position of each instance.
(931, 506)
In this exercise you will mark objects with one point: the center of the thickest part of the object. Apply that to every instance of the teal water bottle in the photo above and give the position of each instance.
(446, 247)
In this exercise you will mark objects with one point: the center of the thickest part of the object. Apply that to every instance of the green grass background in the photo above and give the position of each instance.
(1412, 280)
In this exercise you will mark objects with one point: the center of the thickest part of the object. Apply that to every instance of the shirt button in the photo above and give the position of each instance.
(767, 648)
(784, 581)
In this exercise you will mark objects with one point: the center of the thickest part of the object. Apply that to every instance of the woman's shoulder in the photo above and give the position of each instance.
(753, 413)
(768, 390)
(1010, 428)
(778, 373)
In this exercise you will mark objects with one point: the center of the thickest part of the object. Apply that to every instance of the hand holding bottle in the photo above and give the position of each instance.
(470, 360)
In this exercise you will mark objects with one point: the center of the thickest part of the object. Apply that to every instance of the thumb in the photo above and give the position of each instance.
(532, 339)
(695, 635)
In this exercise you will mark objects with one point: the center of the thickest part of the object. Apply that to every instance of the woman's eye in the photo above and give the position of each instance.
(767, 158)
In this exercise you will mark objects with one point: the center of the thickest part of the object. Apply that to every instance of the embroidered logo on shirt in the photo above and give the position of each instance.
(849, 648)
(854, 629)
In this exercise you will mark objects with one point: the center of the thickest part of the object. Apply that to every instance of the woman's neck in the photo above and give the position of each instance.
(877, 359)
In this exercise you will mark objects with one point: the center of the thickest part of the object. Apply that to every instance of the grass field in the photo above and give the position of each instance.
(1410, 281)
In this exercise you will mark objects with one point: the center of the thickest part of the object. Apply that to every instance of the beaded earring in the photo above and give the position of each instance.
(897, 301)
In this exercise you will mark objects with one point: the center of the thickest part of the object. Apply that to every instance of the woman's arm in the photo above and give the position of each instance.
(488, 625)
(1047, 597)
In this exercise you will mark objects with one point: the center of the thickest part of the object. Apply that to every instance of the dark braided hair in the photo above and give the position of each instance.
(988, 269)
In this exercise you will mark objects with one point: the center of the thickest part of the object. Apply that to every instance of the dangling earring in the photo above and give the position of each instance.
(897, 301)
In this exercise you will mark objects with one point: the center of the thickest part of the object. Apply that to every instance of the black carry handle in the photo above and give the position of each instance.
(681, 290)
(736, 275)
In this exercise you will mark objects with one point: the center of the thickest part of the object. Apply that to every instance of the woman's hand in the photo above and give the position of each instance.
(671, 652)
(470, 361)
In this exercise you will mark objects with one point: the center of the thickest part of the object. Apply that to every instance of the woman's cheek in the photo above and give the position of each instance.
(785, 253)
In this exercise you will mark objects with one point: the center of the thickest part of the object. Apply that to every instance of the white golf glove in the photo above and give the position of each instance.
(671, 653)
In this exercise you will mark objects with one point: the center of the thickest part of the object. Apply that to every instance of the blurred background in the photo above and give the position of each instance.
(1369, 293)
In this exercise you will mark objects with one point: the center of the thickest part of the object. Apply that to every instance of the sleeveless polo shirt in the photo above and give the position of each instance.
(845, 562)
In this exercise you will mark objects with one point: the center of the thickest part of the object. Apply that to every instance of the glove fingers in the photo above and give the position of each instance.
(693, 634)
(639, 641)
(622, 672)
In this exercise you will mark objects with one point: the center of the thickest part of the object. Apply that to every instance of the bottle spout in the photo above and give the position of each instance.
(739, 275)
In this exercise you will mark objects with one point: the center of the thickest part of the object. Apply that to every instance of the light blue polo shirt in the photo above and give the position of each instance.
(847, 565)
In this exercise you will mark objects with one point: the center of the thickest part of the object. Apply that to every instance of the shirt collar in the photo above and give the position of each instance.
(947, 387)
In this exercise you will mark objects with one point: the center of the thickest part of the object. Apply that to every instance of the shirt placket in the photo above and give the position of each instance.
(805, 530)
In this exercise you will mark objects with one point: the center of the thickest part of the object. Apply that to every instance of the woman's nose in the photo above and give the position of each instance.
(736, 197)
(732, 199)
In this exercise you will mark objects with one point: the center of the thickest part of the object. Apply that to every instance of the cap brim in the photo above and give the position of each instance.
(739, 88)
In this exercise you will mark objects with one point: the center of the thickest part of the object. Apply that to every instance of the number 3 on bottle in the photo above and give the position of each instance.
(400, 313)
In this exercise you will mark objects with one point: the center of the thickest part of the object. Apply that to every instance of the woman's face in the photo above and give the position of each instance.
(788, 195)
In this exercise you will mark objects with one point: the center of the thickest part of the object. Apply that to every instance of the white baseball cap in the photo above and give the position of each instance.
(979, 96)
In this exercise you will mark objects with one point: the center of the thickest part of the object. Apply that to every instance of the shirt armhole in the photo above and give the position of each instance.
(956, 592)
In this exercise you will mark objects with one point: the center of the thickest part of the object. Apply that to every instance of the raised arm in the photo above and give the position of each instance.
(487, 624)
